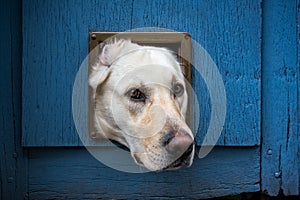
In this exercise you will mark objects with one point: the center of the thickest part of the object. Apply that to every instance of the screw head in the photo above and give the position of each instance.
(94, 36)
(269, 151)
(277, 174)
(186, 37)
(93, 135)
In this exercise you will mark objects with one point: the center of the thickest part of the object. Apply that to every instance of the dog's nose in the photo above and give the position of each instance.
(177, 142)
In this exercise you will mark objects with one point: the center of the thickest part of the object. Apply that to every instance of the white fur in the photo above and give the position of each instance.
(123, 65)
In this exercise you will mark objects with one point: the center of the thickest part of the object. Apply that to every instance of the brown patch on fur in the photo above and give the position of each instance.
(134, 109)
(150, 142)
(163, 102)
(147, 119)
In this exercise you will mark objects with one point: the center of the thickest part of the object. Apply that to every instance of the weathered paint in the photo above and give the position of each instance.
(280, 102)
(55, 37)
(13, 162)
(60, 173)
(73, 173)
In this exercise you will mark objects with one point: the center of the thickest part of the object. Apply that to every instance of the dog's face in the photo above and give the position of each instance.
(140, 101)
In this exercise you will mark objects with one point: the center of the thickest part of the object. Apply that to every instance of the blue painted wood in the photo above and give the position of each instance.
(232, 38)
(280, 106)
(298, 63)
(72, 173)
(13, 165)
(55, 37)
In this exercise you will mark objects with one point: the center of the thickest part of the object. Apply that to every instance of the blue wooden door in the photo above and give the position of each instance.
(280, 94)
(261, 131)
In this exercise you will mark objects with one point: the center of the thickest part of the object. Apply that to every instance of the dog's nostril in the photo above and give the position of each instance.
(167, 138)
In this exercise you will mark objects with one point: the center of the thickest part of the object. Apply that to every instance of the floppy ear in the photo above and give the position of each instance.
(98, 75)
(111, 51)
(100, 70)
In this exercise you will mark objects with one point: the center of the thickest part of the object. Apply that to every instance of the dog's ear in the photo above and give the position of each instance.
(109, 52)
(98, 75)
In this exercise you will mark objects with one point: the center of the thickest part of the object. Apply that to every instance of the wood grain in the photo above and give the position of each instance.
(280, 106)
(55, 38)
(72, 173)
(13, 165)
(52, 41)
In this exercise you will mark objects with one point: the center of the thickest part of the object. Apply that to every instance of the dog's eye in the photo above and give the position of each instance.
(178, 89)
(136, 95)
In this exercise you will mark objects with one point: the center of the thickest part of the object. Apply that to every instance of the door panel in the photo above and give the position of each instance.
(55, 38)
(255, 46)
(280, 113)
(59, 173)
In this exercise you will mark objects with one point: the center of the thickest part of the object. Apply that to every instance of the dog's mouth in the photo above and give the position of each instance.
(183, 160)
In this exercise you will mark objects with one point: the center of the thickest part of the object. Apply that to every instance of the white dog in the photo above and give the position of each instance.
(140, 101)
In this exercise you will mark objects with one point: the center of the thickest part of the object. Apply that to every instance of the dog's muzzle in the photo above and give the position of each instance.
(179, 145)
(184, 160)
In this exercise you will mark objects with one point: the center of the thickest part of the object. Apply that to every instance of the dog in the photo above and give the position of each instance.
(140, 100)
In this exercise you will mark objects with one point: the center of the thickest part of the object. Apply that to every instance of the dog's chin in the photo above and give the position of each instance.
(186, 159)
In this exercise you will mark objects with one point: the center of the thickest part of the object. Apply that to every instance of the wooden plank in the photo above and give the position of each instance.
(13, 165)
(280, 114)
(73, 173)
(55, 36)
(298, 64)
(232, 38)
(58, 29)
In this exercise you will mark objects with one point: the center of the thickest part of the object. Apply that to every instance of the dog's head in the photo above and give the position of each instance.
(140, 100)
